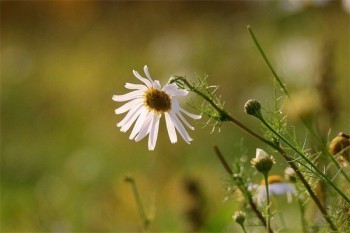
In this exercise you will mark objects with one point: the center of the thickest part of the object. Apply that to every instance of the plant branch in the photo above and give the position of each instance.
(242, 188)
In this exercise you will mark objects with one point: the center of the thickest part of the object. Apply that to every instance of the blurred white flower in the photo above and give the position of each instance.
(277, 186)
(346, 5)
(145, 106)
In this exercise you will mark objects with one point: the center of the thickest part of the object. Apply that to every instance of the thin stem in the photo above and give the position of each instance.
(278, 79)
(242, 188)
(340, 168)
(243, 228)
(267, 202)
(132, 182)
(226, 117)
(307, 186)
(302, 215)
(301, 154)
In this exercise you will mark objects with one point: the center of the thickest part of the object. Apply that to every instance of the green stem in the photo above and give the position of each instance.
(278, 79)
(226, 117)
(307, 186)
(241, 187)
(243, 228)
(302, 216)
(267, 202)
(146, 220)
(302, 155)
(339, 167)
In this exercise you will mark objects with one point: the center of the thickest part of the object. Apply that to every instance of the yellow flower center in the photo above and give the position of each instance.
(157, 100)
(273, 179)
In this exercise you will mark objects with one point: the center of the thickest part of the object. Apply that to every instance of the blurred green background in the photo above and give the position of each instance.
(63, 160)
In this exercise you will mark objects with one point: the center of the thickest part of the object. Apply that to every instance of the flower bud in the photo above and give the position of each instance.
(262, 161)
(252, 107)
(239, 217)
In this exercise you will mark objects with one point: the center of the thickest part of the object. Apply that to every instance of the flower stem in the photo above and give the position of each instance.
(302, 215)
(132, 182)
(278, 79)
(267, 202)
(227, 117)
(283, 87)
(302, 155)
(241, 186)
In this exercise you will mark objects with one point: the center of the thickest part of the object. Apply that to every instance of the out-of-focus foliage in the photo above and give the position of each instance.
(63, 160)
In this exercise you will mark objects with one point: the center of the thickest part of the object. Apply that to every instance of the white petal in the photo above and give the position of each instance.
(173, 90)
(179, 127)
(144, 80)
(157, 85)
(153, 135)
(128, 96)
(260, 153)
(129, 115)
(146, 127)
(132, 119)
(126, 107)
(145, 69)
(171, 128)
(184, 120)
(136, 86)
(193, 116)
(139, 123)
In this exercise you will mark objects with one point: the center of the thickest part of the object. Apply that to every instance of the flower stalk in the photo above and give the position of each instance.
(182, 82)
(143, 215)
(263, 164)
(268, 222)
(241, 187)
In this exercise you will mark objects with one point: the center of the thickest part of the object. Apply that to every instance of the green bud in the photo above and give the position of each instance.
(252, 107)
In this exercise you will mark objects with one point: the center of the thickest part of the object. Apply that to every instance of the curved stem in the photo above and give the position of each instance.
(279, 81)
(301, 154)
(307, 186)
(241, 187)
(227, 117)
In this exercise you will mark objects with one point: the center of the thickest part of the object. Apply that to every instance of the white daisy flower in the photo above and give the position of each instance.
(145, 106)
(277, 186)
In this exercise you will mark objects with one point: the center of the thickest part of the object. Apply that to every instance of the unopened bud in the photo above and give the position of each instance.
(252, 107)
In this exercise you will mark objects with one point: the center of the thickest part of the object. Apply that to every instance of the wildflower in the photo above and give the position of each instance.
(277, 186)
(145, 106)
(262, 161)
